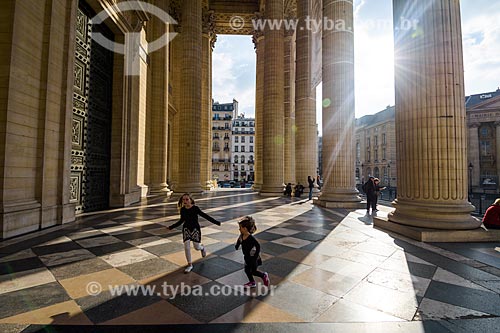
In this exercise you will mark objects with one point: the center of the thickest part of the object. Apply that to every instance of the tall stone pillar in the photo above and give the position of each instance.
(338, 108)
(175, 65)
(273, 119)
(305, 100)
(158, 99)
(206, 97)
(259, 42)
(289, 154)
(191, 102)
(430, 117)
(473, 147)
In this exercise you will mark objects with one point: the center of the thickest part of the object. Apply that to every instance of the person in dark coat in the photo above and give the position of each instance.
(371, 195)
(310, 180)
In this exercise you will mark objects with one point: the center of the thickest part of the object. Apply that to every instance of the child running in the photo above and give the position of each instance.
(191, 230)
(251, 250)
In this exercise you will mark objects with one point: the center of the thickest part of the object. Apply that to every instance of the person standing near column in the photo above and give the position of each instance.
(310, 180)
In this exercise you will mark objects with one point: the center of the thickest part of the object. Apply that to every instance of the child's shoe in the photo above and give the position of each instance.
(188, 269)
(203, 252)
(250, 284)
(266, 280)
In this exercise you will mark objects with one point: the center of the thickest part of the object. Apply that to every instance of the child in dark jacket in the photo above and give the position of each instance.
(251, 250)
(191, 230)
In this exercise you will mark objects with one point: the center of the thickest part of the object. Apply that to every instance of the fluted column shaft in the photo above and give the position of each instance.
(273, 120)
(206, 97)
(305, 100)
(289, 153)
(191, 102)
(258, 40)
(473, 152)
(158, 131)
(176, 62)
(430, 117)
(338, 108)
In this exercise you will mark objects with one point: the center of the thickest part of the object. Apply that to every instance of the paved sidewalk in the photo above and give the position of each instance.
(330, 270)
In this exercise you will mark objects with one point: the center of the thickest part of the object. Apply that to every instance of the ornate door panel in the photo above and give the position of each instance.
(91, 134)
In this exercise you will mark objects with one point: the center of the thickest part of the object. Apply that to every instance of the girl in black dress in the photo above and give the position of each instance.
(251, 250)
(191, 230)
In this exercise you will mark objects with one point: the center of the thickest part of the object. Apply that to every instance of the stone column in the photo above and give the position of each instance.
(338, 108)
(206, 97)
(430, 117)
(175, 63)
(191, 102)
(305, 100)
(273, 120)
(158, 130)
(473, 153)
(259, 42)
(289, 154)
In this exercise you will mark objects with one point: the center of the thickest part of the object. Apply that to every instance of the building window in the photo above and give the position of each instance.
(242, 149)
(251, 149)
(236, 139)
(235, 149)
(383, 154)
(375, 141)
(242, 168)
(242, 139)
(368, 157)
(358, 151)
(243, 159)
(368, 142)
(383, 139)
(251, 139)
(375, 155)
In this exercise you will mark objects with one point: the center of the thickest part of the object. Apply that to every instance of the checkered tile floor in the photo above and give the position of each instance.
(328, 267)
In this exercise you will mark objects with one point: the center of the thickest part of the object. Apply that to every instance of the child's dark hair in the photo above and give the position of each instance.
(179, 203)
(248, 223)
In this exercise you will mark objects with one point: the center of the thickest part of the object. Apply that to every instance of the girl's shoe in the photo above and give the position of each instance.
(251, 284)
(188, 269)
(266, 280)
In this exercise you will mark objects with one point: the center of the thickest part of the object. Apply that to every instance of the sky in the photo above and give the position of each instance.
(234, 57)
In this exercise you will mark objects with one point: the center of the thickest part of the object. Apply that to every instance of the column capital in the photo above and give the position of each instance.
(477, 124)
(208, 23)
(257, 34)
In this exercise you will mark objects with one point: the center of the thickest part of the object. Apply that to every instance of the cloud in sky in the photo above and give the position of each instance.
(234, 57)
(233, 72)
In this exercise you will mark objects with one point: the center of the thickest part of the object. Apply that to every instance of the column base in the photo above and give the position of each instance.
(271, 191)
(437, 235)
(192, 188)
(338, 204)
(257, 186)
(208, 185)
(434, 215)
(348, 199)
(160, 189)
